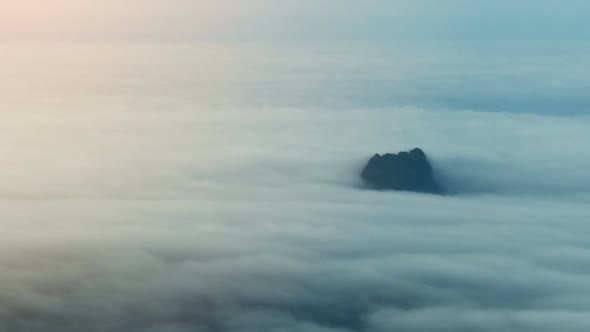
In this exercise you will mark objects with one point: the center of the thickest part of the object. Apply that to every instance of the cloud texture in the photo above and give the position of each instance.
(134, 200)
(251, 220)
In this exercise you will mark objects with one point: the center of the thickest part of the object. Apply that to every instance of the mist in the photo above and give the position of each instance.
(254, 220)
(231, 231)
(213, 186)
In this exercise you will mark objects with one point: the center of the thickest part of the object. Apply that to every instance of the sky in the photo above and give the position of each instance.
(193, 166)
(290, 20)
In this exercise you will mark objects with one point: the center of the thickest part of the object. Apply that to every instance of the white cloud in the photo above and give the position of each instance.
(252, 221)
(133, 199)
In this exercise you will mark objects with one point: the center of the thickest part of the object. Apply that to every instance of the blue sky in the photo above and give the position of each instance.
(290, 20)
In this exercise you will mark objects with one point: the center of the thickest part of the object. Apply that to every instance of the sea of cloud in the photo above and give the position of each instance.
(191, 219)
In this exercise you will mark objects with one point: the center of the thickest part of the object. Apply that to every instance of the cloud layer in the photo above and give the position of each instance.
(252, 220)
(208, 188)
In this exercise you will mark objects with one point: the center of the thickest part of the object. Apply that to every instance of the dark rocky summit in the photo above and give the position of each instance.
(407, 171)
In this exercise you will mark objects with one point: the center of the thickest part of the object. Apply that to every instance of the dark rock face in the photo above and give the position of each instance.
(407, 171)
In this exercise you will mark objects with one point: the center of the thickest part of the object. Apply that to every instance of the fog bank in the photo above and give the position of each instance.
(253, 220)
